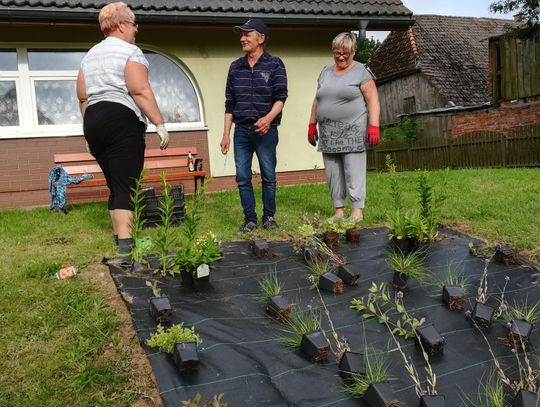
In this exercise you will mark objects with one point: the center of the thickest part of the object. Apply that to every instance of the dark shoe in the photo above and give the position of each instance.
(271, 224)
(247, 227)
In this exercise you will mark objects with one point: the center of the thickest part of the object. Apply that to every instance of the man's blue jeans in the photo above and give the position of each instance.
(247, 142)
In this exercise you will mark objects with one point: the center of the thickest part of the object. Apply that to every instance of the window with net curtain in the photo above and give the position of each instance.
(52, 76)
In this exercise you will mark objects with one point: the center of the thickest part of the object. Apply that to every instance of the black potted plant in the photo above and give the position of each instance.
(430, 339)
(260, 248)
(505, 255)
(405, 266)
(349, 273)
(526, 398)
(362, 370)
(303, 331)
(321, 276)
(482, 314)
(380, 394)
(159, 305)
(194, 260)
(520, 319)
(453, 286)
(277, 306)
(179, 342)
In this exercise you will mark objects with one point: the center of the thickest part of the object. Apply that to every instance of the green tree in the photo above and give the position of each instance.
(527, 11)
(367, 49)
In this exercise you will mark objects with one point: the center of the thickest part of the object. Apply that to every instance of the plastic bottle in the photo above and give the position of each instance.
(191, 165)
(64, 273)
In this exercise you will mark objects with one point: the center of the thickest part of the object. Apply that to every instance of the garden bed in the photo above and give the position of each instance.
(240, 357)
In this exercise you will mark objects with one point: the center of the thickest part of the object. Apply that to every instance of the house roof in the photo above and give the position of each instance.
(382, 14)
(452, 52)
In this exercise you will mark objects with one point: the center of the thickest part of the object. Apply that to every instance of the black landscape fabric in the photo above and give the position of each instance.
(241, 358)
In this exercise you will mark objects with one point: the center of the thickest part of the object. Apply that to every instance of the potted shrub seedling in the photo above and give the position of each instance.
(482, 313)
(303, 331)
(321, 276)
(166, 237)
(195, 259)
(159, 305)
(405, 266)
(520, 319)
(179, 342)
(430, 201)
(429, 396)
(277, 306)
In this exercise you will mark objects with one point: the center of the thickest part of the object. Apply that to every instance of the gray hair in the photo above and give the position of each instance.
(345, 41)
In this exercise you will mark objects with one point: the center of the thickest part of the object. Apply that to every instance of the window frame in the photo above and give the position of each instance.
(27, 101)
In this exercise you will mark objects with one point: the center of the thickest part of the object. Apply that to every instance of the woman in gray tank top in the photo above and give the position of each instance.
(346, 109)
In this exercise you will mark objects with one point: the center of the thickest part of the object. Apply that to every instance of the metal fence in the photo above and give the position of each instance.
(518, 148)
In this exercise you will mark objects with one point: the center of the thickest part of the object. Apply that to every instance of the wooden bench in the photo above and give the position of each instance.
(172, 161)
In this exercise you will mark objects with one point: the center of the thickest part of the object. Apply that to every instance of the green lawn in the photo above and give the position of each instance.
(54, 334)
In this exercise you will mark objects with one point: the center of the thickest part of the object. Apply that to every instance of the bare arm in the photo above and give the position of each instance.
(226, 139)
(313, 115)
(136, 75)
(369, 90)
(81, 92)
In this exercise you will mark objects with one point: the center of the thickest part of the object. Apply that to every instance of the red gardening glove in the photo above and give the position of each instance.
(312, 134)
(373, 135)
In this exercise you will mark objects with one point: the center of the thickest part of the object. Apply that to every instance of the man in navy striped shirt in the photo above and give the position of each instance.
(254, 97)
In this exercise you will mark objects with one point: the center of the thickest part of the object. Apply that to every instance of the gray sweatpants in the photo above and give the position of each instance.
(346, 173)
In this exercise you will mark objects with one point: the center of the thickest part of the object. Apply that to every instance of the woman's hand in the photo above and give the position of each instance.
(373, 135)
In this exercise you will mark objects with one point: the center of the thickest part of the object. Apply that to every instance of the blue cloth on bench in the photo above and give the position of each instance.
(59, 180)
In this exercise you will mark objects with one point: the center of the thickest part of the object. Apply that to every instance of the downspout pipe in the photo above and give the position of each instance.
(362, 25)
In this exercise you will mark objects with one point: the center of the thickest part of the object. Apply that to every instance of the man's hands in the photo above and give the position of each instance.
(225, 144)
(312, 134)
(163, 136)
(373, 135)
(262, 125)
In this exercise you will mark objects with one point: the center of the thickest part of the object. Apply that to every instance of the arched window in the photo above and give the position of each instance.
(38, 97)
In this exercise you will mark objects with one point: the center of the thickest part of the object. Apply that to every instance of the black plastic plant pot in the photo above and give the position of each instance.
(405, 245)
(380, 395)
(315, 346)
(312, 255)
(352, 235)
(505, 255)
(185, 357)
(400, 281)
(519, 332)
(260, 248)
(482, 315)
(431, 339)
(330, 238)
(278, 307)
(190, 280)
(349, 275)
(330, 282)
(160, 309)
(526, 398)
(350, 365)
(432, 401)
(454, 298)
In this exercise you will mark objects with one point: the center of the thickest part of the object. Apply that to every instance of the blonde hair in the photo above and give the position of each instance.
(112, 15)
(345, 41)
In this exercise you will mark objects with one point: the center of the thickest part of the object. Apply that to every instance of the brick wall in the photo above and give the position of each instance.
(500, 119)
(25, 164)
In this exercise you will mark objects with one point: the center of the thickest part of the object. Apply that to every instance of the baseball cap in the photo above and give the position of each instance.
(253, 24)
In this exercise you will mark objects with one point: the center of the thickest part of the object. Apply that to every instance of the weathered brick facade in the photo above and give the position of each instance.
(498, 119)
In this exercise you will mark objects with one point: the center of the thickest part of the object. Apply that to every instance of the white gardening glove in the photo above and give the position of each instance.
(163, 135)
